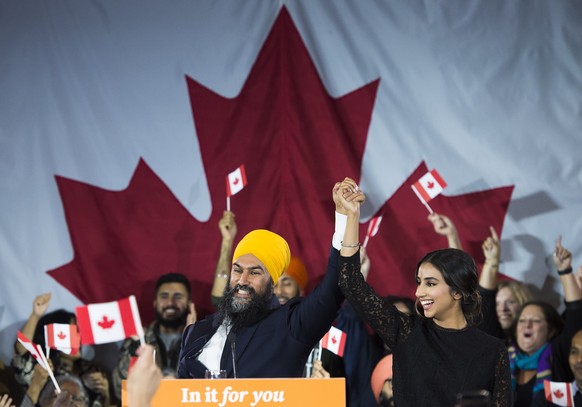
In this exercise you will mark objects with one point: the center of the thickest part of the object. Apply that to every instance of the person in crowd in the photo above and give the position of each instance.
(543, 339)
(172, 306)
(93, 378)
(144, 378)
(575, 363)
(293, 281)
(252, 334)
(381, 382)
(228, 230)
(500, 300)
(73, 393)
(437, 352)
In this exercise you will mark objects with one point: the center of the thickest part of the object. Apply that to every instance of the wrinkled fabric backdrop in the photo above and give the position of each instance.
(120, 120)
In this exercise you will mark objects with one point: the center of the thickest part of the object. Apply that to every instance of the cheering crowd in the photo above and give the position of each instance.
(463, 331)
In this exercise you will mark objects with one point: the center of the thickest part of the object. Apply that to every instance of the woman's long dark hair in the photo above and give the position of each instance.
(460, 273)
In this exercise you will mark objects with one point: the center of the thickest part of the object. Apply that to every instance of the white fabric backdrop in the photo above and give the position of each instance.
(488, 92)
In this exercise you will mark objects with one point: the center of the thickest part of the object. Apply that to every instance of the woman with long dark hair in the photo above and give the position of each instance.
(438, 352)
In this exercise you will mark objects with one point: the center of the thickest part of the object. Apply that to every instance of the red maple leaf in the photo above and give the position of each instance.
(406, 234)
(106, 323)
(333, 340)
(295, 141)
(430, 185)
(235, 181)
(558, 393)
(61, 335)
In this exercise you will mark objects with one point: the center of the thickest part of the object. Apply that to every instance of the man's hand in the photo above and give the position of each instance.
(442, 224)
(491, 248)
(192, 315)
(318, 372)
(348, 197)
(40, 304)
(143, 379)
(227, 225)
(562, 257)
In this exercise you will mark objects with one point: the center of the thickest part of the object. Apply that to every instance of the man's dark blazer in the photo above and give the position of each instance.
(279, 344)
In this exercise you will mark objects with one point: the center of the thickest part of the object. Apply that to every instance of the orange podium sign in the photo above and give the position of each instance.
(247, 393)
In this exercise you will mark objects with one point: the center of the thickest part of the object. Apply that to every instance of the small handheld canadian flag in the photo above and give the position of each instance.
(63, 337)
(38, 355)
(235, 182)
(34, 350)
(372, 228)
(109, 321)
(335, 341)
(429, 186)
(559, 393)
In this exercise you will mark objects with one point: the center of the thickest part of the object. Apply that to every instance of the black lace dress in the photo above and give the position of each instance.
(431, 364)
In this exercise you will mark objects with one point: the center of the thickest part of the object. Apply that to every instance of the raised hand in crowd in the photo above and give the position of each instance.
(6, 401)
(563, 262)
(144, 378)
(228, 231)
(445, 227)
(492, 253)
(39, 307)
(348, 199)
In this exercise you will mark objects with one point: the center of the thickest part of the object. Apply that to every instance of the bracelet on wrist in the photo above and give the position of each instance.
(350, 245)
(565, 271)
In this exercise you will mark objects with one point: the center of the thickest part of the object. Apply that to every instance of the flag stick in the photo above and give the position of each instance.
(46, 345)
(228, 203)
(317, 354)
(422, 200)
(366, 241)
(48, 368)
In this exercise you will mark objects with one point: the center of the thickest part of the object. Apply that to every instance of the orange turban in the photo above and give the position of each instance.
(381, 373)
(270, 248)
(297, 272)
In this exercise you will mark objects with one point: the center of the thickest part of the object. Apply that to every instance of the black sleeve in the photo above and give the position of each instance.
(489, 323)
(392, 325)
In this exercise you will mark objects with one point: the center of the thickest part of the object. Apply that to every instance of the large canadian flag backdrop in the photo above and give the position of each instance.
(119, 122)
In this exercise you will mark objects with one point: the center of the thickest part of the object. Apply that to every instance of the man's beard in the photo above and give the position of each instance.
(240, 314)
(178, 320)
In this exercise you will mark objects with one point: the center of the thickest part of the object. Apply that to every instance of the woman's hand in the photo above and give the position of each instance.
(562, 257)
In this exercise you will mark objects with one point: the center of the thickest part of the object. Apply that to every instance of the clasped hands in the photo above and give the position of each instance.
(348, 197)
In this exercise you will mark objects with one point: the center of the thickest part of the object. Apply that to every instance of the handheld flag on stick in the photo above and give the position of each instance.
(63, 337)
(559, 393)
(109, 321)
(38, 355)
(335, 341)
(429, 186)
(235, 182)
(372, 228)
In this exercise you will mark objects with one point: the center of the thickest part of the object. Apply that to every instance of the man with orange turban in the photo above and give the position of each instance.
(252, 335)
(293, 282)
